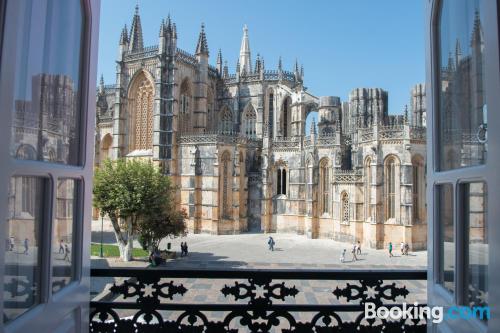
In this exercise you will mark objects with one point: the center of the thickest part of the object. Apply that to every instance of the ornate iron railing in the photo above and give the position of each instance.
(150, 300)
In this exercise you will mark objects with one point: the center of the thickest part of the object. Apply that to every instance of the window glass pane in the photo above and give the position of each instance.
(45, 95)
(23, 232)
(63, 233)
(477, 238)
(446, 236)
(462, 105)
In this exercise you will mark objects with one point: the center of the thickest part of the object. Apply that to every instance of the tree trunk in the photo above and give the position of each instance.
(124, 244)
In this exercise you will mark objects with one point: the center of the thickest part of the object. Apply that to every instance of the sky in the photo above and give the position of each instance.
(342, 44)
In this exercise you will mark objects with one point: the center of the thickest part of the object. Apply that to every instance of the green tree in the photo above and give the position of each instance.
(134, 193)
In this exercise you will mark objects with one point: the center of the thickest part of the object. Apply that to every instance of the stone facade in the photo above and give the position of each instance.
(236, 144)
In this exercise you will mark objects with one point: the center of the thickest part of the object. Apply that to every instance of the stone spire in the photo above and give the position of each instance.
(136, 42)
(238, 68)
(225, 70)
(458, 52)
(477, 32)
(258, 64)
(101, 84)
(245, 60)
(312, 130)
(162, 28)
(219, 62)
(202, 46)
(124, 36)
(280, 65)
(174, 31)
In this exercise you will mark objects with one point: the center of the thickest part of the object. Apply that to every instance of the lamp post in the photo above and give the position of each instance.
(102, 231)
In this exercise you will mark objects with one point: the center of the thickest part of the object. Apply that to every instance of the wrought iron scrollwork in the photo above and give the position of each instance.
(260, 304)
(371, 290)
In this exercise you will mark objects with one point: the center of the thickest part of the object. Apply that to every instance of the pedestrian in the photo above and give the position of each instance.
(353, 251)
(402, 248)
(12, 243)
(359, 248)
(271, 243)
(26, 246)
(61, 246)
(182, 249)
(185, 249)
(342, 256)
(407, 248)
(66, 252)
(390, 249)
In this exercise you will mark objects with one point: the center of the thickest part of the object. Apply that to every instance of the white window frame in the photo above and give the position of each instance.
(437, 294)
(68, 309)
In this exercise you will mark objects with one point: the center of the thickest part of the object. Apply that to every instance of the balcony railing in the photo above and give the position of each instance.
(156, 300)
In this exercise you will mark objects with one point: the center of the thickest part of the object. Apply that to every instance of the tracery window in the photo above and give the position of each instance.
(324, 174)
(185, 107)
(281, 180)
(226, 204)
(368, 181)
(345, 207)
(285, 117)
(391, 188)
(226, 124)
(143, 114)
(418, 188)
(250, 122)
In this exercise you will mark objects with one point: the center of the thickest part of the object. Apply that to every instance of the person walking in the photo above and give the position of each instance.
(61, 246)
(66, 252)
(342, 256)
(390, 250)
(185, 249)
(182, 249)
(402, 248)
(407, 248)
(353, 251)
(359, 248)
(26, 246)
(270, 242)
(12, 243)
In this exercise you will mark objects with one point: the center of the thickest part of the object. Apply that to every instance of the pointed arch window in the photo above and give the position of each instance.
(285, 117)
(344, 208)
(226, 204)
(324, 175)
(368, 182)
(226, 124)
(391, 188)
(281, 179)
(185, 106)
(142, 93)
(418, 188)
(250, 122)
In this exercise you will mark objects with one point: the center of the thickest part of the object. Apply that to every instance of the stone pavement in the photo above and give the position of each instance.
(250, 251)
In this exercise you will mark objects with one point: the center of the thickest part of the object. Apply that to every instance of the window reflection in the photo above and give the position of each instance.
(63, 234)
(22, 256)
(45, 100)
(477, 238)
(446, 236)
(462, 109)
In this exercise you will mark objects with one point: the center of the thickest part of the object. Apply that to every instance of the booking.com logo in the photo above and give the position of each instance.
(436, 313)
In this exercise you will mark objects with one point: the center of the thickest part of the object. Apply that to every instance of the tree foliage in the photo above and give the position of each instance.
(138, 199)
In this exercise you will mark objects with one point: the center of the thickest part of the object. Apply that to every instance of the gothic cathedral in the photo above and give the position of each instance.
(236, 144)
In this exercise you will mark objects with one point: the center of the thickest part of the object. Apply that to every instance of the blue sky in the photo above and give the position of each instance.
(343, 44)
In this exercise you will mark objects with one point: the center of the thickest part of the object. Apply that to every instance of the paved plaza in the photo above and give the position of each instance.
(247, 251)
(250, 250)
